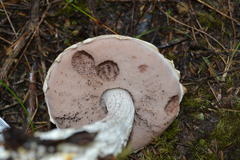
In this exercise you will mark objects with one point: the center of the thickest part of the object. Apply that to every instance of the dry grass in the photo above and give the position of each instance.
(202, 37)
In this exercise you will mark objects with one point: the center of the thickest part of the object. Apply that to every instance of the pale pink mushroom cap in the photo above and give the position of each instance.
(79, 76)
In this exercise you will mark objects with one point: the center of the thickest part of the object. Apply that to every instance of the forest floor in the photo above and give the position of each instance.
(202, 37)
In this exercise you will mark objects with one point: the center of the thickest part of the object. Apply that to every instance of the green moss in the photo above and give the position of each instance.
(201, 100)
(198, 116)
(226, 134)
(229, 82)
(170, 55)
(67, 42)
(224, 139)
(163, 147)
(209, 20)
(237, 103)
(124, 154)
(201, 150)
(228, 129)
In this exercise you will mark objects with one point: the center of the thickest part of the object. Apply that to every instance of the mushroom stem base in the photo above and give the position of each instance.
(100, 139)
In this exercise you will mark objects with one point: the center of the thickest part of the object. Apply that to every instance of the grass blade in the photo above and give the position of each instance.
(4, 85)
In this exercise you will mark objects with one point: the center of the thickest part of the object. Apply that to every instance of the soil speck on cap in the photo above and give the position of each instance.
(143, 68)
(68, 119)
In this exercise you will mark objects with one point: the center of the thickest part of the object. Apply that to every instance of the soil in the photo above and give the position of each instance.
(202, 38)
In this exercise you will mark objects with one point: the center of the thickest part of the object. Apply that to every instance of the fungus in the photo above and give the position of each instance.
(3, 126)
(83, 72)
(107, 92)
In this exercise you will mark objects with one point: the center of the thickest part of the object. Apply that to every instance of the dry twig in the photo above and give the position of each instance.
(32, 99)
(5, 40)
(12, 52)
(9, 20)
(24, 41)
(193, 28)
(216, 10)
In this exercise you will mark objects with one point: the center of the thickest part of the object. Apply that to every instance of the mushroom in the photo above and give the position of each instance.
(102, 94)
(3, 126)
(83, 72)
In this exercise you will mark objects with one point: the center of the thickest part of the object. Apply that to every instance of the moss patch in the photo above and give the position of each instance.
(163, 147)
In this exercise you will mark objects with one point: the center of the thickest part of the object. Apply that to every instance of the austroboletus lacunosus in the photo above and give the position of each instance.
(81, 74)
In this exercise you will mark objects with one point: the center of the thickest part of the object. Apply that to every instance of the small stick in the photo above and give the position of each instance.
(233, 25)
(23, 41)
(5, 40)
(32, 99)
(173, 43)
(193, 28)
(9, 20)
(216, 10)
(8, 106)
(13, 52)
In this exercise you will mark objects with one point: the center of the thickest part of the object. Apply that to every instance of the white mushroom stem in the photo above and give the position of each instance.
(3, 125)
(112, 132)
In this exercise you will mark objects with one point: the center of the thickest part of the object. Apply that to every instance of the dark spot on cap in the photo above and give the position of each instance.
(83, 63)
(143, 68)
(108, 70)
(172, 104)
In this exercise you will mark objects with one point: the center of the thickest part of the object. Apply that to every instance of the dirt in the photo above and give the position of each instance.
(201, 37)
